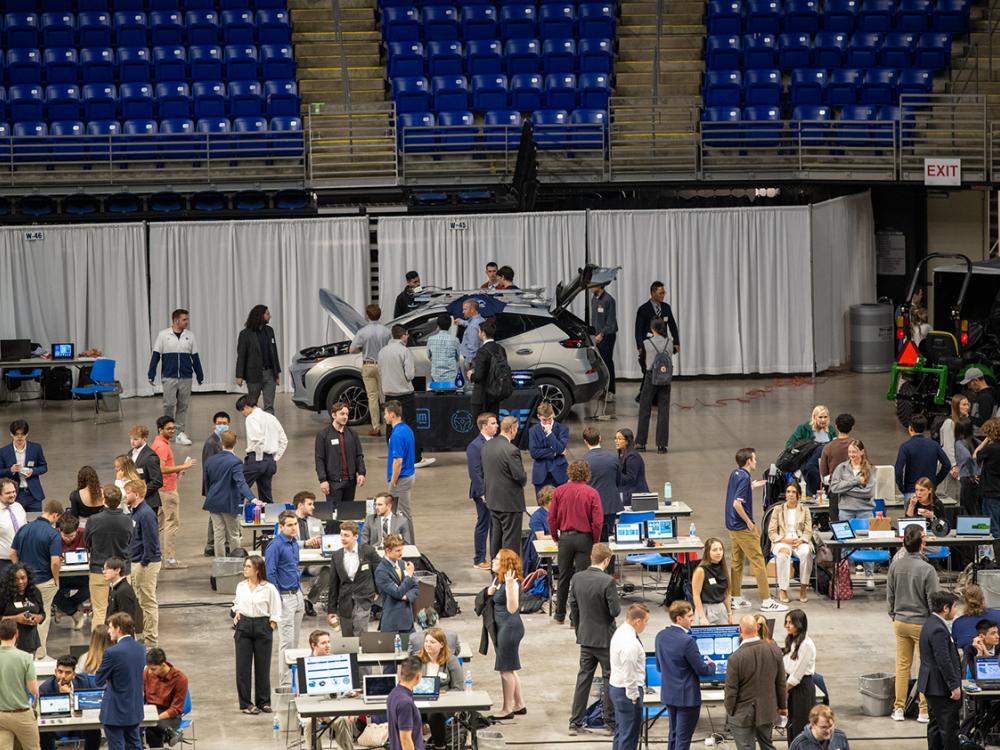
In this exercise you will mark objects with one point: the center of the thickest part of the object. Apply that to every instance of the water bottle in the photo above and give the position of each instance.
(256, 513)
(460, 380)
(397, 645)
(668, 493)
(468, 680)
(276, 727)
(692, 531)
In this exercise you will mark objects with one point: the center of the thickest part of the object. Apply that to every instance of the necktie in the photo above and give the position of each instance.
(399, 572)
(13, 519)
(385, 527)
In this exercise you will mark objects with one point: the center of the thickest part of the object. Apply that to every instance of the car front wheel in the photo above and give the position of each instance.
(353, 393)
(555, 392)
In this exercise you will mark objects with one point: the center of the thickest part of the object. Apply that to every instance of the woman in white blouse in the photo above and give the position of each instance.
(256, 614)
(790, 532)
(800, 665)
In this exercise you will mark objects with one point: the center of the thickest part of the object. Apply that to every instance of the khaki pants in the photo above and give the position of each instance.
(373, 385)
(746, 546)
(18, 729)
(99, 591)
(144, 582)
(907, 649)
(169, 517)
(48, 591)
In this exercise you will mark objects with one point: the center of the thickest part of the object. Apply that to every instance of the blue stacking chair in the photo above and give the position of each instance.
(794, 51)
(29, 141)
(62, 102)
(456, 131)
(93, 29)
(855, 127)
(100, 101)
(843, 86)
(26, 102)
(139, 139)
(594, 91)
(591, 127)
(811, 124)
(173, 100)
(551, 129)
(517, 22)
(762, 88)
(405, 59)
(273, 27)
(445, 58)
(526, 92)
(559, 56)
(809, 86)
(916, 81)
(451, 93)
(238, 27)
(729, 137)
(61, 65)
(879, 86)
(876, 15)
(725, 17)
(202, 27)
(490, 92)
(560, 92)
(186, 728)
(502, 129)
(759, 51)
(596, 20)
(97, 65)
(416, 131)
(763, 17)
(723, 88)
(863, 50)
(242, 62)
(654, 680)
(175, 140)
(723, 53)
(440, 23)
(138, 101)
(205, 62)
(595, 55)
(166, 28)
(282, 98)
(801, 16)
(102, 376)
(210, 99)
(830, 49)
(131, 29)
(21, 30)
(134, 64)
(24, 66)
(277, 61)
(411, 94)
(251, 141)
(401, 24)
(897, 50)
(170, 63)
(762, 126)
(556, 20)
(523, 56)
(484, 57)
(913, 15)
(58, 30)
(479, 22)
(841, 15)
(246, 99)
(35, 373)
(950, 16)
(933, 51)
(860, 525)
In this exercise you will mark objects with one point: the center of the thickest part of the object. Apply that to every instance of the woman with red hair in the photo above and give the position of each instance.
(506, 592)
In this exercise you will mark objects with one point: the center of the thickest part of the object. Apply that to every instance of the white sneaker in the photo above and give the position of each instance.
(897, 715)
(924, 718)
(78, 619)
(740, 603)
(424, 462)
(870, 584)
(182, 439)
(770, 605)
(609, 398)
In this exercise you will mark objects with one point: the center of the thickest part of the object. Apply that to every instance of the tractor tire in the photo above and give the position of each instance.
(908, 403)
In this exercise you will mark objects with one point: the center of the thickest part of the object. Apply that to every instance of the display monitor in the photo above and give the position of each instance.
(717, 642)
(973, 526)
(987, 668)
(62, 351)
(842, 530)
(54, 705)
(330, 544)
(76, 557)
(84, 700)
(327, 675)
(904, 522)
(628, 533)
(661, 528)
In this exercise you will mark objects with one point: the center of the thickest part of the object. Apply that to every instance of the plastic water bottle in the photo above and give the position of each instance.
(276, 727)
(468, 680)
(397, 645)
(668, 493)
(692, 531)
(460, 380)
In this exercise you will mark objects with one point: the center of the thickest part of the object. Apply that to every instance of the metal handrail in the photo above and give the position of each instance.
(973, 72)
(656, 52)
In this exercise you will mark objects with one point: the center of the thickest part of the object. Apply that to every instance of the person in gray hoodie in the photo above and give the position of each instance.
(852, 484)
(911, 582)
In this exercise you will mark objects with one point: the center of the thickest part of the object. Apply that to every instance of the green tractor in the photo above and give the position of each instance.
(966, 334)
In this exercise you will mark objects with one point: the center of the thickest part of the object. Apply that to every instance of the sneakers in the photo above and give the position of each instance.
(609, 398)
(897, 715)
(870, 584)
(574, 730)
(924, 718)
(423, 462)
(484, 565)
(182, 439)
(740, 603)
(769, 605)
(78, 619)
(173, 564)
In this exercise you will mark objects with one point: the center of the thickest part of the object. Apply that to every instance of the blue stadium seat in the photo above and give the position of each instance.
(518, 22)
(251, 143)
(840, 15)
(830, 49)
(97, 65)
(559, 56)
(933, 51)
(445, 58)
(100, 101)
(728, 134)
(238, 27)
(131, 29)
(916, 81)
(67, 143)
(723, 88)
(502, 129)
(401, 24)
(175, 141)
(173, 100)
(58, 30)
(456, 131)
(526, 92)
(21, 30)
(170, 63)
(913, 15)
(725, 17)
(808, 86)
(127, 5)
(138, 101)
(843, 86)
(270, 4)
(411, 94)
(3, 104)
(93, 29)
(879, 86)
(240, 4)
(551, 128)
(246, 99)
(404, 59)
(801, 16)
(523, 56)
(595, 91)
(763, 17)
(794, 51)
(855, 128)
(440, 23)
(205, 62)
(134, 64)
(876, 15)
(29, 142)
(216, 130)
(26, 103)
(950, 16)
(490, 92)
(4, 141)
(723, 53)
(162, 4)
(588, 128)
(61, 65)
(762, 88)
(811, 132)
(209, 98)
(166, 28)
(596, 55)
(62, 102)
(557, 20)
(285, 135)
(863, 50)
(762, 126)
(560, 91)
(202, 27)
(451, 93)
(479, 22)
(596, 20)
(241, 62)
(24, 66)
(897, 50)
(415, 131)
(277, 62)
(759, 51)
(483, 57)
(199, 4)
(25, 6)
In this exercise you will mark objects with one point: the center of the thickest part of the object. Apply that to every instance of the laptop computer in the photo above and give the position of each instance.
(628, 533)
(353, 511)
(13, 349)
(987, 672)
(842, 531)
(272, 511)
(973, 526)
(902, 523)
(645, 501)
(330, 544)
(344, 645)
(428, 689)
(63, 351)
(76, 557)
(382, 643)
(54, 706)
(376, 687)
(85, 700)
(663, 530)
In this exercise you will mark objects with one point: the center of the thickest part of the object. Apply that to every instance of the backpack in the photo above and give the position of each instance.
(661, 371)
(500, 380)
(792, 458)
(444, 599)
(57, 382)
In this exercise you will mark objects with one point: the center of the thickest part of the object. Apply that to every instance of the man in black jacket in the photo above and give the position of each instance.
(147, 463)
(481, 366)
(108, 534)
(593, 607)
(649, 311)
(257, 357)
(940, 677)
(122, 597)
(352, 582)
(340, 459)
(407, 299)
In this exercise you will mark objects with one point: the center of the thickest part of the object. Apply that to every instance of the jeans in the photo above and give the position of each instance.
(847, 515)
(907, 643)
(482, 531)
(292, 609)
(176, 397)
(748, 738)
(783, 563)
(810, 471)
(628, 720)
(267, 386)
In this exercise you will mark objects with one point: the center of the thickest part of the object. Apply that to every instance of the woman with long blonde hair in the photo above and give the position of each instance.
(852, 483)
(817, 428)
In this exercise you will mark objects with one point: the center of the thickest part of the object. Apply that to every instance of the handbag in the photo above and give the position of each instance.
(840, 582)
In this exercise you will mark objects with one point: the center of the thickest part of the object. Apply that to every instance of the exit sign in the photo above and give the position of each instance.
(942, 171)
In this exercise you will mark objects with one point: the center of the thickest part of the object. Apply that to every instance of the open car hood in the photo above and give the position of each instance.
(589, 275)
(345, 317)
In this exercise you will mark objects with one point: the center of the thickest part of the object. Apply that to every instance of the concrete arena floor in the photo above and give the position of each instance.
(195, 631)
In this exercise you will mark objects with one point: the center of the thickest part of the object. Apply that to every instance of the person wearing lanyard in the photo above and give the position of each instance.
(23, 461)
(266, 443)
(256, 615)
(282, 565)
(12, 517)
(18, 684)
(340, 459)
(369, 342)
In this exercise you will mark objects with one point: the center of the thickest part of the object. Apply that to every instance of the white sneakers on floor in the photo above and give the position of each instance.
(870, 584)
(423, 462)
(182, 439)
(897, 715)
(770, 605)
(924, 718)
(740, 603)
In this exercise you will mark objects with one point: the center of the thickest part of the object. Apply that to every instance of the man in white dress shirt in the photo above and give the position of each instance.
(266, 443)
(12, 518)
(628, 676)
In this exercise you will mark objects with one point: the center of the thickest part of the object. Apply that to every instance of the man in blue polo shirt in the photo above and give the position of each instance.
(39, 546)
(281, 561)
(920, 457)
(405, 726)
(399, 468)
(144, 553)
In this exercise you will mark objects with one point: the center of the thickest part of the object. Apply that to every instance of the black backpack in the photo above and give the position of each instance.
(661, 371)
(500, 380)
(792, 458)
(57, 383)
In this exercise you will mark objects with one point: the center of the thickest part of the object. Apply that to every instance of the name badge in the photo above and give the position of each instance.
(364, 566)
(711, 581)
(335, 441)
(141, 472)
(600, 310)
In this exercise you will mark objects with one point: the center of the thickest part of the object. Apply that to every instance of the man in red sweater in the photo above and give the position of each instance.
(575, 520)
(165, 687)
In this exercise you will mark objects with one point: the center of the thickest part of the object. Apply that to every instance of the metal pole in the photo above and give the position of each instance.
(656, 52)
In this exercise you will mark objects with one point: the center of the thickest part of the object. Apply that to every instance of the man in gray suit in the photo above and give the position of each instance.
(385, 522)
(593, 607)
(756, 693)
(603, 478)
(504, 478)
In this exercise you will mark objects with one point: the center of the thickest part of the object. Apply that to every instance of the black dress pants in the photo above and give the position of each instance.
(574, 557)
(942, 731)
(590, 659)
(253, 652)
(505, 531)
(650, 394)
(260, 472)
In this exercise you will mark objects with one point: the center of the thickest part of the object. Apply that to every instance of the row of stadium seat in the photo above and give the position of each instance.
(525, 92)
(486, 56)
(95, 65)
(857, 125)
(773, 16)
(492, 3)
(86, 6)
(136, 29)
(838, 87)
(501, 130)
(862, 49)
(141, 100)
(592, 20)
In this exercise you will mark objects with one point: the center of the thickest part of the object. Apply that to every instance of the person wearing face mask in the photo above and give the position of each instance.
(24, 461)
(220, 424)
(257, 357)
(406, 300)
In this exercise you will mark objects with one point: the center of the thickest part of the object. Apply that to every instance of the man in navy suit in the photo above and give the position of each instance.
(225, 491)
(940, 677)
(24, 461)
(547, 441)
(488, 425)
(680, 664)
(397, 586)
(121, 674)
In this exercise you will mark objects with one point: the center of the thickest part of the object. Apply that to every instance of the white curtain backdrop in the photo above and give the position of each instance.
(452, 251)
(83, 283)
(219, 270)
(738, 280)
(843, 231)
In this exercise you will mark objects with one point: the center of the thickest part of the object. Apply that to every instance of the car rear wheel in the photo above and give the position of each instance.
(353, 393)
(557, 393)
